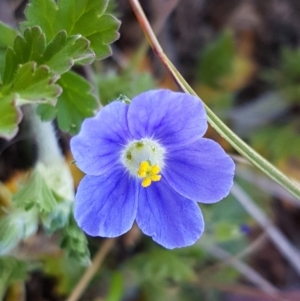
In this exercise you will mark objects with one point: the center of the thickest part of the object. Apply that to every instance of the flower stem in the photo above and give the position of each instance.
(104, 249)
(237, 143)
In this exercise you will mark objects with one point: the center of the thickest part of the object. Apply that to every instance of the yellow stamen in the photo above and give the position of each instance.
(144, 167)
(155, 169)
(149, 173)
(146, 182)
(155, 178)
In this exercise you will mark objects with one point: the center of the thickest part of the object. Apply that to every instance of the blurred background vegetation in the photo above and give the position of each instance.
(242, 57)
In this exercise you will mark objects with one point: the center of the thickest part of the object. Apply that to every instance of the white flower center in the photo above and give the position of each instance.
(144, 159)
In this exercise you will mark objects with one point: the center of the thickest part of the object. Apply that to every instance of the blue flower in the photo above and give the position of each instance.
(147, 162)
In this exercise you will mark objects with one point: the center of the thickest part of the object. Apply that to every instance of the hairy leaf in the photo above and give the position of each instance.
(15, 226)
(57, 218)
(36, 194)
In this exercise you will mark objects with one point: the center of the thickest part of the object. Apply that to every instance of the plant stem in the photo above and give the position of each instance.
(238, 144)
(104, 249)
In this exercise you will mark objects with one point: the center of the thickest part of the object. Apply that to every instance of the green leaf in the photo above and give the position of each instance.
(217, 60)
(15, 226)
(116, 289)
(11, 269)
(46, 111)
(34, 83)
(63, 52)
(226, 275)
(286, 75)
(10, 116)
(75, 103)
(10, 67)
(11, 232)
(273, 141)
(7, 35)
(226, 231)
(36, 194)
(29, 47)
(111, 86)
(65, 269)
(60, 54)
(74, 242)
(42, 14)
(57, 218)
(86, 18)
(2, 61)
(162, 265)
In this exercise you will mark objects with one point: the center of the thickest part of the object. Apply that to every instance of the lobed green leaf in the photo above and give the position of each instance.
(63, 52)
(36, 193)
(74, 242)
(86, 18)
(60, 54)
(10, 116)
(34, 83)
(7, 37)
(74, 104)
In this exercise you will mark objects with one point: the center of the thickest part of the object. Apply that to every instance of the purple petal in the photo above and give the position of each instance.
(201, 171)
(97, 147)
(106, 205)
(171, 220)
(171, 117)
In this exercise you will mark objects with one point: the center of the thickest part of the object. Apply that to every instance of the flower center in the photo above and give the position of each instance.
(149, 173)
(144, 159)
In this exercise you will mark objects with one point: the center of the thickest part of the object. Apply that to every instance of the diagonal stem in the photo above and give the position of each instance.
(238, 144)
(90, 272)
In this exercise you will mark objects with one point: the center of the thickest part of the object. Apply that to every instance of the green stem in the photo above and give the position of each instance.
(238, 144)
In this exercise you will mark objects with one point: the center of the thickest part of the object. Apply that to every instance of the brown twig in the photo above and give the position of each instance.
(104, 249)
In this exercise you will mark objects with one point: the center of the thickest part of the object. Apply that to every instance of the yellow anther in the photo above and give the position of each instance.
(155, 178)
(144, 168)
(148, 173)
(155, 169)
(146, 182)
